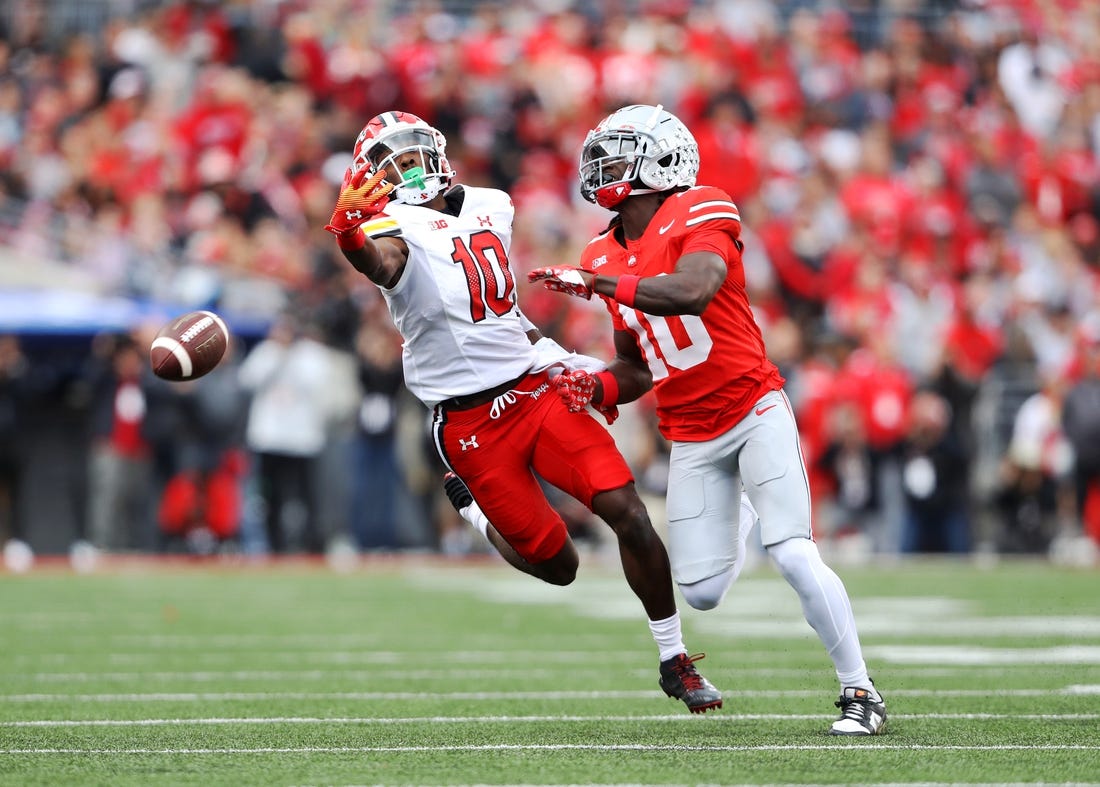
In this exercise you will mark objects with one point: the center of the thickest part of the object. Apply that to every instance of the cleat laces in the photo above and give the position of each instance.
(686, 672)
(850, 709)
(861, 713)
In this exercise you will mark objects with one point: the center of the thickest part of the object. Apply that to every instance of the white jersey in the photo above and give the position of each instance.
(455, 303)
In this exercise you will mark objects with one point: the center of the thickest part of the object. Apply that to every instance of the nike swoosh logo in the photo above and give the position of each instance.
(762, 410)
(667, 227)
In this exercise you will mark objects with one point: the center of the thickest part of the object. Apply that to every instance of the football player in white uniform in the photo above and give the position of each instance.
(438, 251)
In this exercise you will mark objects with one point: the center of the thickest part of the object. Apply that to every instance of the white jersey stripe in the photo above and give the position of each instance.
(714, 203)
(712, 217)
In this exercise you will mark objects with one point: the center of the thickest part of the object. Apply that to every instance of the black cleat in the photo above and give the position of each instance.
(681, 681)
(862, 712)
(457, 492)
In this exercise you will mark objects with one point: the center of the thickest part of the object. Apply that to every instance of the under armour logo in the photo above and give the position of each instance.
(353, 214)
(485, 221)
(468, 444)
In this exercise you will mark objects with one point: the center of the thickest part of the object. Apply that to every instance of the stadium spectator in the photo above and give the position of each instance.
(847, 465)
(202, 506)
(669, 269)
(14, 390)
(1036, 482)
(378, 480)
(1032, 72)
(133, 420)
(934, 479)
(1081, 425)
(286, 375)
(438, 251)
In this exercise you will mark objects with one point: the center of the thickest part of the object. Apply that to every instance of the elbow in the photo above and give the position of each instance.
(696, 303)
(695, 298)
(697, 306)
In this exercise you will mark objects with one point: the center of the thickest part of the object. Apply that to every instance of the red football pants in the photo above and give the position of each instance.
(532, 432)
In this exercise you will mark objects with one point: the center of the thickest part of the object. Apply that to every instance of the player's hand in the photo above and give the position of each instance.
(572, 281)
(575, 388)
(362, 195)
(610, 413)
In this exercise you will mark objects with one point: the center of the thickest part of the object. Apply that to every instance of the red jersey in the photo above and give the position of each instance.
(709, 370)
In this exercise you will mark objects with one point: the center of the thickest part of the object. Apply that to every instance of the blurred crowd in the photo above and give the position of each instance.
(918, 184)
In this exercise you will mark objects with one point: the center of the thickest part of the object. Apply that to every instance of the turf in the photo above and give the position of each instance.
(431, 672)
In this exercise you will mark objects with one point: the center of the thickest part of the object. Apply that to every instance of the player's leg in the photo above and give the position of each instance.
(577, 455)
(775, 480)
(709, 520)
(560, 569)
(527, 532)
(707, 593)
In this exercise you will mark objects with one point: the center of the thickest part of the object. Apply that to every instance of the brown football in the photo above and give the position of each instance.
(189, 346)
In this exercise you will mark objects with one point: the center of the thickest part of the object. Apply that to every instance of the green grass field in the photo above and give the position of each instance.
(427, 672)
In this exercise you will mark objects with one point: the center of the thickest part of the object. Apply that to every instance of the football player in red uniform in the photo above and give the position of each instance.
(438, 252)
(669, 270)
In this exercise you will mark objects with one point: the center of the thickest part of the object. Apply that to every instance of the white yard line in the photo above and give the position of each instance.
(388, 721)
(498, 695)
(206, 676)
(564, 747)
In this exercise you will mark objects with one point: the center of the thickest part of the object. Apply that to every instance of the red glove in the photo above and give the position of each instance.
(575, 389)
(362, 195)
(572, 281)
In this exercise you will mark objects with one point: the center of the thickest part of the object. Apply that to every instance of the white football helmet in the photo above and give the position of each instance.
(638, 149)
(390, 137)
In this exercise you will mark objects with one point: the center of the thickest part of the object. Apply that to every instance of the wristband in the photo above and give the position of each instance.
(353, 241)
(610, 386)
(626, 289)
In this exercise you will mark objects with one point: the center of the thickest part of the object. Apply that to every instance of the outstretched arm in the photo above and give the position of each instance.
(688, 290)
(363, 195)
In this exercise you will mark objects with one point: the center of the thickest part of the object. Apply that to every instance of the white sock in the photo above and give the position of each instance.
(826, 606)
(668, 636)
(474, 515)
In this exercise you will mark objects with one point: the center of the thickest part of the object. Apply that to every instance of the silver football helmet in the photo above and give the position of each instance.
(638, 149)
(391, 136)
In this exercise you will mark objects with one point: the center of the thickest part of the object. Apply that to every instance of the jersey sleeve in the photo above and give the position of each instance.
(707, 212)
(716, 242)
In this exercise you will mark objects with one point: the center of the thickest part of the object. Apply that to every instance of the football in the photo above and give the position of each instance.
(189, 346)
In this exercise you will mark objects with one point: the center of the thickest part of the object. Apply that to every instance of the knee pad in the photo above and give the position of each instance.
(707, 593)
(793, 556)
